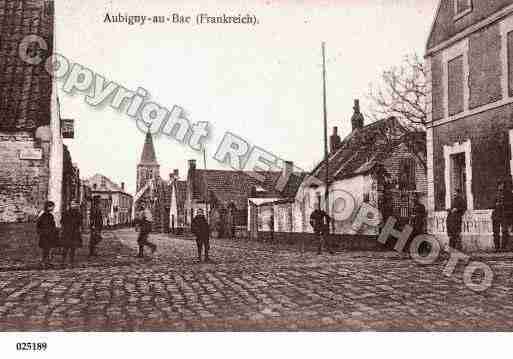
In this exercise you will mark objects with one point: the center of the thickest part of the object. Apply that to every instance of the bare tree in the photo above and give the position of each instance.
(402, 93)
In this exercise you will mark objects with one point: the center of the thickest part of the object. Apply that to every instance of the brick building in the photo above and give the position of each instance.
(34, 165)
(469, 58)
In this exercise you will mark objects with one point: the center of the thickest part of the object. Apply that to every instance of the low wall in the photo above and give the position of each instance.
(340, 241)
(18, 238)
(476, 230)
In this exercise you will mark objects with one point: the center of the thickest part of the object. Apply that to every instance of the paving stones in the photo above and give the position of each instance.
(250, 286)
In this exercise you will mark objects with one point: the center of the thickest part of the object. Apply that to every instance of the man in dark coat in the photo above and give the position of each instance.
(145, 224)
(201, 230)
(47, 232)
(418, 222)
(320, 222)
(96, 226)
(419, 217)
(455, 219)
(71, 232)
(502, 214)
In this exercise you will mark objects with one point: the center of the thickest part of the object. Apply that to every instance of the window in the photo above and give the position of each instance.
(455, 80)
(510, 62)
(48, 8)
(462, 8)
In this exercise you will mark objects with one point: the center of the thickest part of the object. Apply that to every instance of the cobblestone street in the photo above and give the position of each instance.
(249, 286)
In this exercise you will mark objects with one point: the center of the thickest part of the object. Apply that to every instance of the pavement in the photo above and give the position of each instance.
(246, 286)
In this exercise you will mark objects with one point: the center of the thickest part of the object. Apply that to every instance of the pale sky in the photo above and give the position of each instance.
(261, 82)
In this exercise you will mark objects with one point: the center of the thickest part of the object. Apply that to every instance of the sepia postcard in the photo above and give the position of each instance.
(254, 166)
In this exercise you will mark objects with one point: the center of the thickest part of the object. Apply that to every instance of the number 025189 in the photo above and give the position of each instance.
(31, 346)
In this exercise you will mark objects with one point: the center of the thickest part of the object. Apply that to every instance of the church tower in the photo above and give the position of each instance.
(148, 167)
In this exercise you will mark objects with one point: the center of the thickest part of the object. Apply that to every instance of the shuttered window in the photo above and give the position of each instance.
(455, 82)
(510, 63)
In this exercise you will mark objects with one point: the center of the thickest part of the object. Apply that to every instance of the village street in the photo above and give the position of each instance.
(248, 287)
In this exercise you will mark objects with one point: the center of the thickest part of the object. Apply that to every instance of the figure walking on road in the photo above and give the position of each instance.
(47, 232)
(96, 226)
(145, 224)
(201, 230)
(71, 232)
(320, 222)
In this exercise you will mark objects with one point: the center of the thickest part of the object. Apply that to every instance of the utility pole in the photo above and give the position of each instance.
(207, 199)
(325, 117)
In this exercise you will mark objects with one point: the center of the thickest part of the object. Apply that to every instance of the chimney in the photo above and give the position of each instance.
(288, 168)
(122, 186)
(334, 140)
(192, 165)
(357, 119)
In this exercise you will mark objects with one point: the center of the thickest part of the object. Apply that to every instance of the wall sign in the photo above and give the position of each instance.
(31, 154)
(67, 128)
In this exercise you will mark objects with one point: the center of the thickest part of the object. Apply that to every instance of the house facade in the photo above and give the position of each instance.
(116, 204)
(35, 166)
(469, 58)
(177, 193)
(381, 164)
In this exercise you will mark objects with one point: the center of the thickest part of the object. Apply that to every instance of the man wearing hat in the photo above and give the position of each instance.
(201, 230)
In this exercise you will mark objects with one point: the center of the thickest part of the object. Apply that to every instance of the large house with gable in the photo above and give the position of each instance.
(469, 57)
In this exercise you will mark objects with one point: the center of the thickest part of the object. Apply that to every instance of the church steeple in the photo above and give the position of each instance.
(148, 154)
(148, 167)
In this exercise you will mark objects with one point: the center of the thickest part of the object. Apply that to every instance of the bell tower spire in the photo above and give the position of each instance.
(148, 167)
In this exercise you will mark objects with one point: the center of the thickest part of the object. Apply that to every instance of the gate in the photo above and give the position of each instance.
(401, 205)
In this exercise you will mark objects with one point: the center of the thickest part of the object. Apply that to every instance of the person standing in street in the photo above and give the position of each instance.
(418, 222)
(320, 222)
(47, 232)
(71, 232)
(455, 219)
(502, 215)
(201, 230)
(96, 226)
(145, 224)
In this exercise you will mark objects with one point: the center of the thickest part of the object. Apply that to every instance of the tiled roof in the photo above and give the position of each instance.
(293, 184)
(363, 149)
(228, 186)
(25, 89)
(148, 156)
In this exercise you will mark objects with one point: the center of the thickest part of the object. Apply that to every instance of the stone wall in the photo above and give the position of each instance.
(23, 182)
(476, 230)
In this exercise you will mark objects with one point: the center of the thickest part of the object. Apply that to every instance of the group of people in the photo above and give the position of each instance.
(502, 217)
(70, 238)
